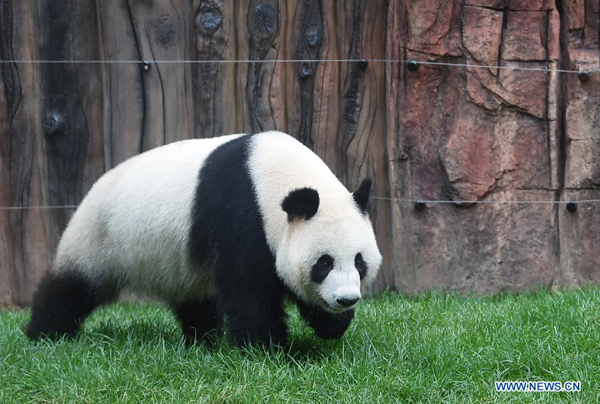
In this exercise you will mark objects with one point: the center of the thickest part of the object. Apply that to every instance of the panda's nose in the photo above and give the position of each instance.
(344, 302)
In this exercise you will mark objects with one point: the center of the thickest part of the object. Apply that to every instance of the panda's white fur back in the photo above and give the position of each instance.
(134, 224)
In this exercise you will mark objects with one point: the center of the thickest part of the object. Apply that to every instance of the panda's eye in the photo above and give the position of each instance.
(360, 265)
(322, 268)
(325, 261)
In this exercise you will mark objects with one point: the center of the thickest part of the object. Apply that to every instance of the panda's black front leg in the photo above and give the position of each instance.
(326, 325)
(200, 321)
(256, 318)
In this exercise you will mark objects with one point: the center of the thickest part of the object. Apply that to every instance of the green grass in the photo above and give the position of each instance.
(433, 348)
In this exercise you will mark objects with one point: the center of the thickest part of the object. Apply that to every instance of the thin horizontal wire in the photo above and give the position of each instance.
(232, 61)
(496, 67)
(430, 201)
(515, 202)
(48, 207)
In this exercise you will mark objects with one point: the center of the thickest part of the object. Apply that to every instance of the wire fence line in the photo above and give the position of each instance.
(486, 202)
(45, 207)
(413, 62)
(382, 198)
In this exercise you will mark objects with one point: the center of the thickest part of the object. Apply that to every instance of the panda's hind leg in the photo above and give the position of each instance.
(200, 320)
(61, 303)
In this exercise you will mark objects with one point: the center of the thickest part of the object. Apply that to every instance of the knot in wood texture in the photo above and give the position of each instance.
(166, 30)
(311, 35)
(264, 20)
(305, 70)
(208, 21)
(53, 123)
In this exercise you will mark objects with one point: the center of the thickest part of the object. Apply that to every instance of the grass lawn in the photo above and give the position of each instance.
(434, 348)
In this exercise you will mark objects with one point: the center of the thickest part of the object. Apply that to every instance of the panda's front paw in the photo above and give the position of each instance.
(274, 340)
(330, 326)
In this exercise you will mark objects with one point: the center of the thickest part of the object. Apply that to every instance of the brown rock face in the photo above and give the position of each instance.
(525, 36)
(482, 34)
(519, 133)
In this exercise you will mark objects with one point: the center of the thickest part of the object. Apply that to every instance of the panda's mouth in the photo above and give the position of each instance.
(325, 304)
(335, 310)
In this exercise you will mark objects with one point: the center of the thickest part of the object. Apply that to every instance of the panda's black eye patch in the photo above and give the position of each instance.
(321, 269)
(360, 265)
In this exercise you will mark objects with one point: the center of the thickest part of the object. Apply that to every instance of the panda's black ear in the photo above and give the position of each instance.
(362, 194)
(301, 203)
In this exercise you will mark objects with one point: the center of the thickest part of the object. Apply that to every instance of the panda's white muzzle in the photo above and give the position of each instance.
(340, 290)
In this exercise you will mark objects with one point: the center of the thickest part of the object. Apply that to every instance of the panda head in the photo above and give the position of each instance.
(328, 252)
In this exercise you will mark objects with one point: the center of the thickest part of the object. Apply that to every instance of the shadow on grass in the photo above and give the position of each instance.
(139, 332)
(147, 333)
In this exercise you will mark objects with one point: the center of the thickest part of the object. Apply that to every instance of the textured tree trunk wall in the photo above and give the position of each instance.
(436, 133)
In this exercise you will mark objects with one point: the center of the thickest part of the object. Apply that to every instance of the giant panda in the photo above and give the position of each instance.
(223, 230)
